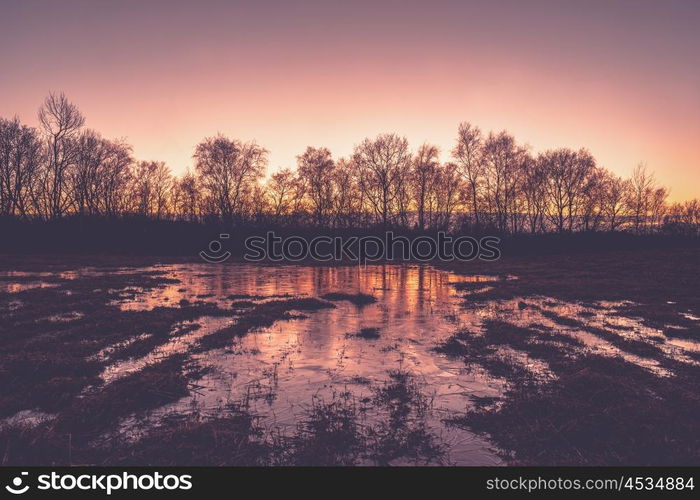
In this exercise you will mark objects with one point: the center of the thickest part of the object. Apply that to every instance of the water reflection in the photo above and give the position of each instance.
(411, 286)
(279, 369)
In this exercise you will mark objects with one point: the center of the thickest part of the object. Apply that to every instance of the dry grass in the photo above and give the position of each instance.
(595, 410)
(359, 299)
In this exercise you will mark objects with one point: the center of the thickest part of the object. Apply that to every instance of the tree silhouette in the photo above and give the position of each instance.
(492, 182)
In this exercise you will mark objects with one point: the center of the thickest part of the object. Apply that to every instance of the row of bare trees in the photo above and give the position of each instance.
(63, 169)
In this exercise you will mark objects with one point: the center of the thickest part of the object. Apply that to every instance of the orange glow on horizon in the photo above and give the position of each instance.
(621, 81)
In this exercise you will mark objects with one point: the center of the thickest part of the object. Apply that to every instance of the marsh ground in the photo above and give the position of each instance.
(580, 359)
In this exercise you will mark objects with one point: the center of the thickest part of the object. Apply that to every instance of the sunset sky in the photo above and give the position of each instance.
(621, 78)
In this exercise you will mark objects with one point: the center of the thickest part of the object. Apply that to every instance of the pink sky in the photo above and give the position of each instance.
(619, 78)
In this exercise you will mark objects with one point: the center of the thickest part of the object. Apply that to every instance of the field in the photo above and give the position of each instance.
(583, 359)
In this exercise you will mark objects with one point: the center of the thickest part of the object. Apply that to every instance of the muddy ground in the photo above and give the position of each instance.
(600, 368)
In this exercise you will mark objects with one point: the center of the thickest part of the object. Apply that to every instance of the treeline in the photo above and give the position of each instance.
(491, 182)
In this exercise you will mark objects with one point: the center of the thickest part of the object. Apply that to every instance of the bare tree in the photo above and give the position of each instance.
(281, 189)
(346, 199)
(259, 204)
(186, 197)
(579, 178)
(20, 156)
(423, 178)
(567, 172)
(684, 218)
(316, 167)
(228, 170)
(98, 182)
(115, 178)
(63, 170)
(555, 164)
(85, 177)
(152, 184)
(615, 192)
(382, 166)
(468, 155)
(60, 120)
(448, 194)
(534, 192)
(592, 199)
(657, 207)
(641, 191)
(502, 167)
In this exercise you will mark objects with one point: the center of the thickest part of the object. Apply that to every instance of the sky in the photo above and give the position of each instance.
(621, 78)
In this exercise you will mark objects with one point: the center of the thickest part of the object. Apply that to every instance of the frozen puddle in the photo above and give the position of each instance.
(279, 370)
